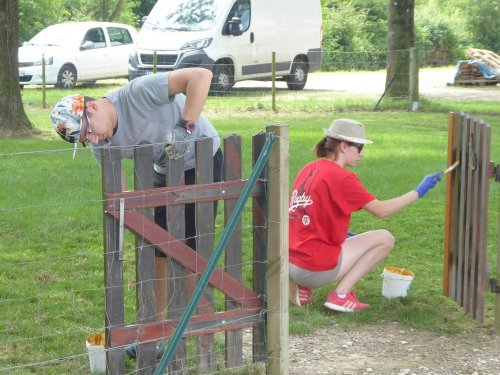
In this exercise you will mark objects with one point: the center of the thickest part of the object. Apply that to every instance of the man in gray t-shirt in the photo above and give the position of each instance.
(163, 109)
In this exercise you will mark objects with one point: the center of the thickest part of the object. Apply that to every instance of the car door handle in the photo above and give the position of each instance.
(251, 37)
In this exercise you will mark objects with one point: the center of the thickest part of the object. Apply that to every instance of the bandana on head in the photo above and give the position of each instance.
(67, 117)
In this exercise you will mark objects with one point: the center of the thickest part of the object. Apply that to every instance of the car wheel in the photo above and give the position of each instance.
(66, 78)
(222, 81)
(297, 78)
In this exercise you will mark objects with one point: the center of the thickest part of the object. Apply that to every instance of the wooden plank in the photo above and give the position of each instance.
(483, 193)
(490, 58)
(455, 192)
(277, 254)
(181, 195)
(145, 263)
(113, 264)
(469, 218)
(177, 250)
(198, 325)
(450, 204)
(475, 214)
(462, 200)
(259, 225)
(205, 228)
(176, 289)
(233, 351)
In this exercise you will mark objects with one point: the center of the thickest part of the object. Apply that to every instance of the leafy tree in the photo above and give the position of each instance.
(13, 119)
(484, 23)
(144, 8)
(35, 15)
(347, 42)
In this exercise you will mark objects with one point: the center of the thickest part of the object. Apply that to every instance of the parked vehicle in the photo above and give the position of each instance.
(77, 52)
(233, 38)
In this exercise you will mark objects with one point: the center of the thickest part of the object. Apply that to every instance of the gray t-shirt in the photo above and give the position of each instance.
(146, 113)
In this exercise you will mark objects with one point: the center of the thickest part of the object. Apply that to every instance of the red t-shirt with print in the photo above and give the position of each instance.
(323, 197)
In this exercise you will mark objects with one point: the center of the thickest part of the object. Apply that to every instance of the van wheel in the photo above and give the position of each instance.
(66, 79)
(222, 81)
(298, 76)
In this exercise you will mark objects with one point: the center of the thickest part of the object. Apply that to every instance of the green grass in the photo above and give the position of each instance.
(51, 275)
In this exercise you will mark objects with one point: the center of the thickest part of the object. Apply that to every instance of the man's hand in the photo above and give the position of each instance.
(428, 183)
(178, 143)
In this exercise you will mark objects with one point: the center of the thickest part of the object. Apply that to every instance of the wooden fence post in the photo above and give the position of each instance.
(413, 97)
(277, 249)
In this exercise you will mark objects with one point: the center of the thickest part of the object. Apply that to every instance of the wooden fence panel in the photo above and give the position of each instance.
(244, 307)
(465, 272)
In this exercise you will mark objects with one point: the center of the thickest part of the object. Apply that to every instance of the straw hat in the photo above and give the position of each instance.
(347, 130)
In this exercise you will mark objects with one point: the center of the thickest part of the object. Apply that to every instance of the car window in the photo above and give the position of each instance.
(119, 36)
(241, 9)
(96, 36)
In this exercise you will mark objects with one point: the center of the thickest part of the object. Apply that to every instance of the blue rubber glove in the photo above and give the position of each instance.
(428, 183)
(178, 141)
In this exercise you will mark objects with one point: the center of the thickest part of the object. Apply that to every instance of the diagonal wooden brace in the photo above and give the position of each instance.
(178, 250)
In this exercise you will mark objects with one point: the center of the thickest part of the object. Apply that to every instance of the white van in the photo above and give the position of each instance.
(235, 39)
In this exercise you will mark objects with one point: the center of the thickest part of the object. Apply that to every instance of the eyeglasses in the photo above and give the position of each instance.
(89, 129)
(89, 126)
(359, 146)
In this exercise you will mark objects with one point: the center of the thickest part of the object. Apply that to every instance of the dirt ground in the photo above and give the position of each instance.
(389, 348)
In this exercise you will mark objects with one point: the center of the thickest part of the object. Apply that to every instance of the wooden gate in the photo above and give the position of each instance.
(466, 225)
(244, 307)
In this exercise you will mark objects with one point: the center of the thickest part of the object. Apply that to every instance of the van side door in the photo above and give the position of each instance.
(240, 40)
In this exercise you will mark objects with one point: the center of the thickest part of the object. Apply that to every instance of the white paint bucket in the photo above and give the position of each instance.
(97, 358)
(396, 283)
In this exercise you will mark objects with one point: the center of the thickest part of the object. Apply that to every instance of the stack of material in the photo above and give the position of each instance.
(483, 69)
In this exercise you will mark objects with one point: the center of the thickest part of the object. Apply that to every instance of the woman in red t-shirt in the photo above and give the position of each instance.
(324, 194)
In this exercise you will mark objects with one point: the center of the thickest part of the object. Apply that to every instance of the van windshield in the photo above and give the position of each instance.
(184, 15)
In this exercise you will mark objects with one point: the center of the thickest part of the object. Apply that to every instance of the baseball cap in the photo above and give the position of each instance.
(347, 130)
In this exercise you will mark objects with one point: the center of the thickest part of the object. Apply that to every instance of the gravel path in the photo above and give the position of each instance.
(433, 83)
(388, 348)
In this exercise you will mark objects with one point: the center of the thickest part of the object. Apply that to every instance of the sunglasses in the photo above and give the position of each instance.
(359, 146)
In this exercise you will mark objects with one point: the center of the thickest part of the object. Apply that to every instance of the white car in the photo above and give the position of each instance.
(77, 52)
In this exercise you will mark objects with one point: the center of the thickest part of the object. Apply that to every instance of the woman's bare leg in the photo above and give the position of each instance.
(360, 254)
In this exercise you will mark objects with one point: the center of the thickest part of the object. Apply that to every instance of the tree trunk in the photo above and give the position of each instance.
(117, 11)
(13, 119)
(400, 39)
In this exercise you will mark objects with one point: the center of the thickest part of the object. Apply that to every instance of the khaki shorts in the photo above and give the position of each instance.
(314, 279)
